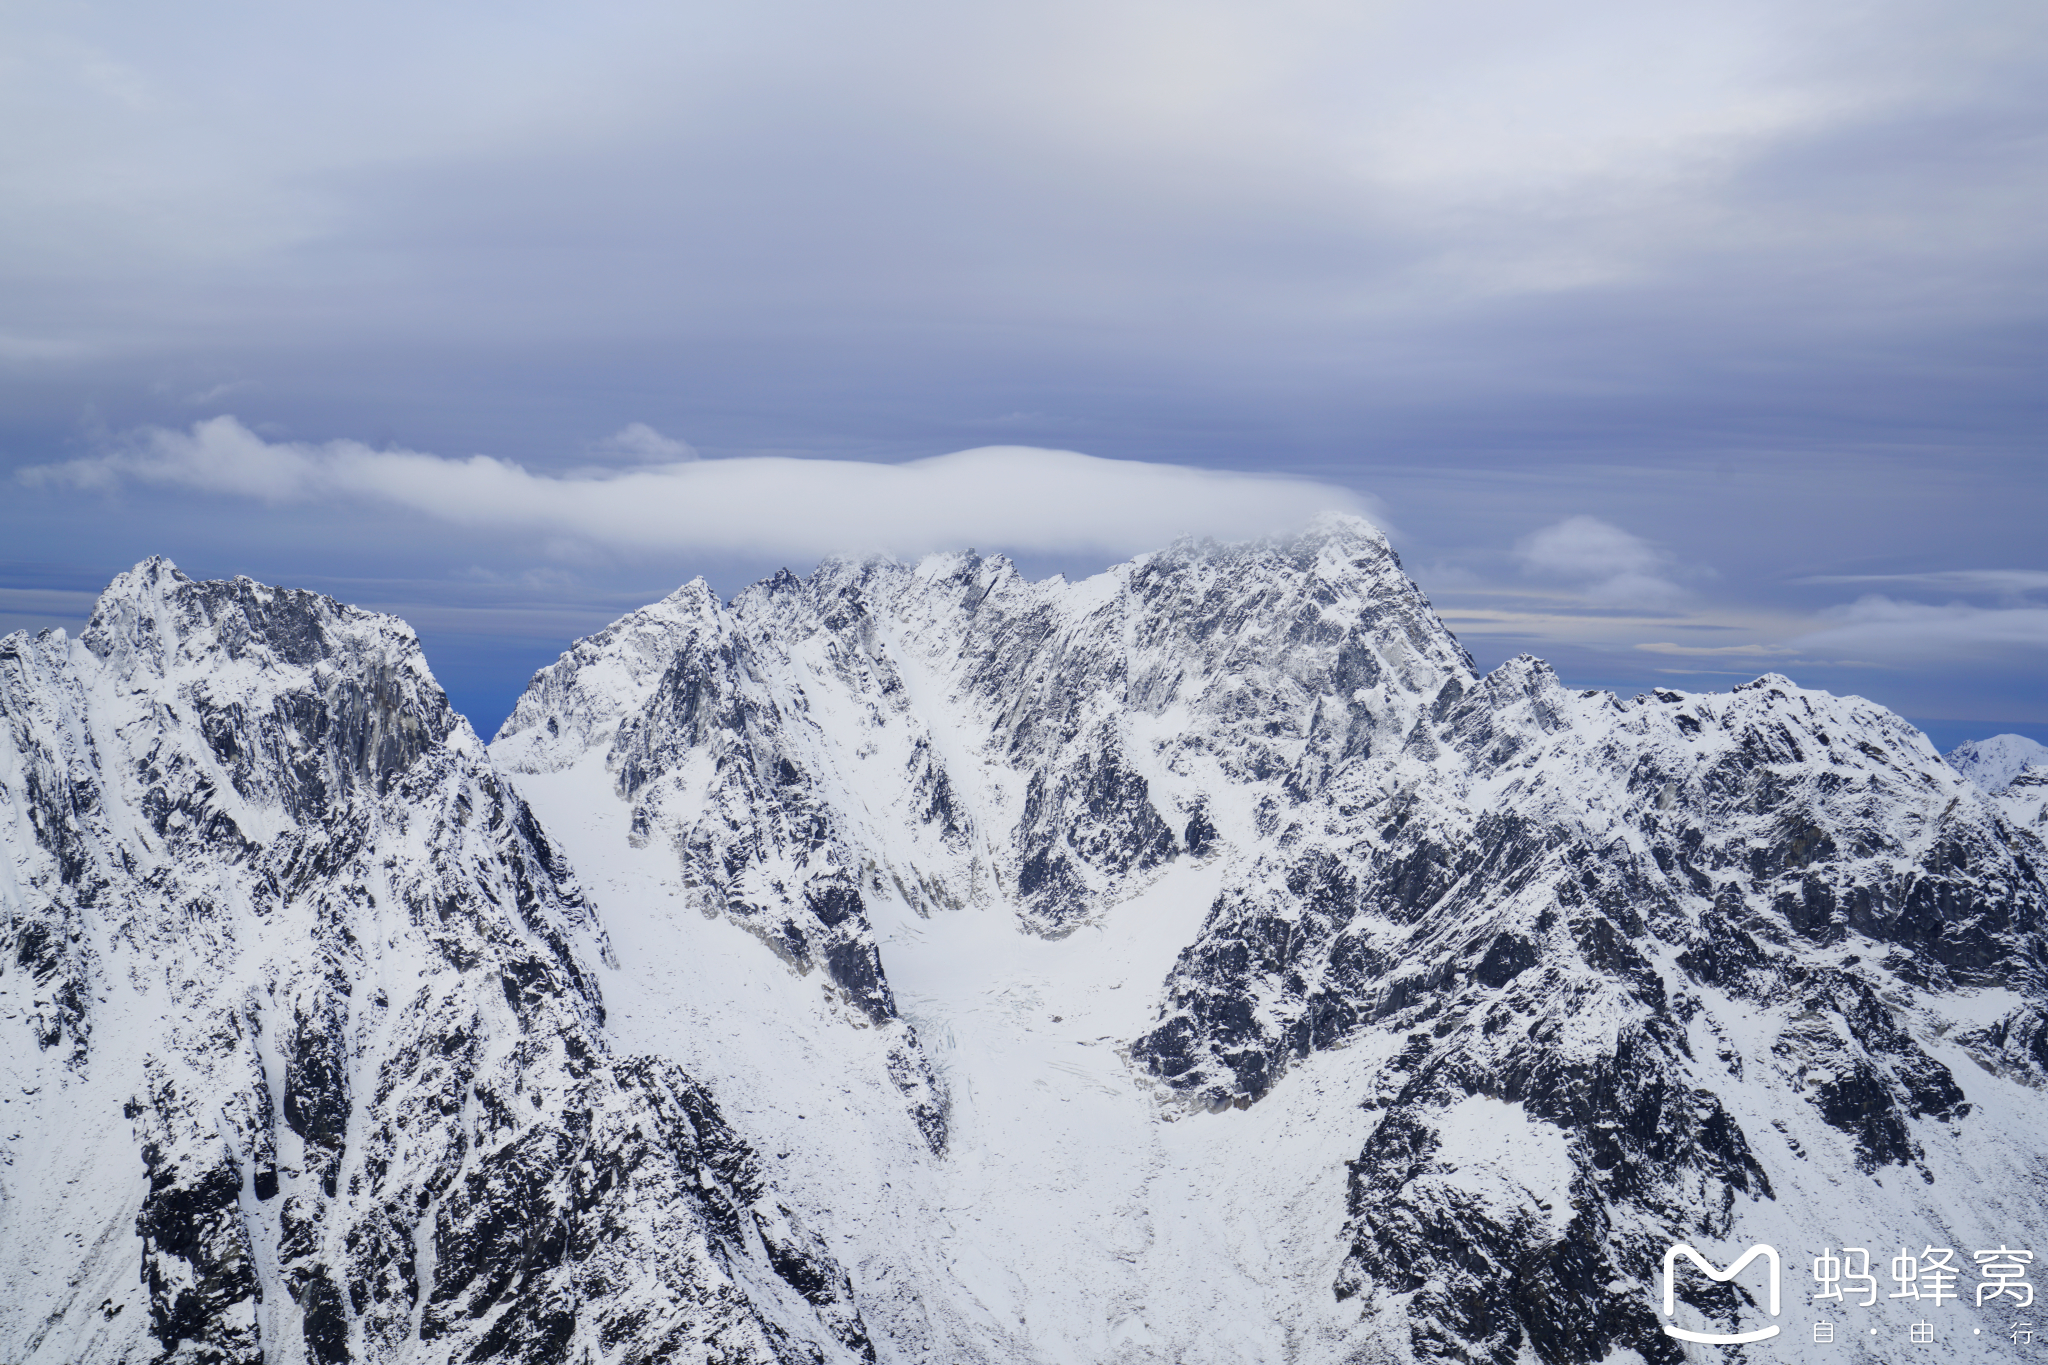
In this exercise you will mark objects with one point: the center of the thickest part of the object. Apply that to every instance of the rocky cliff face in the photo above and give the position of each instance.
(1201, 962)
(2013, 771)
(307, 1057)
(1630, 921)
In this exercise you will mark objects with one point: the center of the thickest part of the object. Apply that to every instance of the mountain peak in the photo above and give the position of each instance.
(1343, 526)
(1992, 764)
(1765, 681)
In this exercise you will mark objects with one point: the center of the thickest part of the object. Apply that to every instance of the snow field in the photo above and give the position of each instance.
(1076, 1217)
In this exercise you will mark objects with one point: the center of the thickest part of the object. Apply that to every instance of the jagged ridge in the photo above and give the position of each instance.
(300, 959)
(1580, 975)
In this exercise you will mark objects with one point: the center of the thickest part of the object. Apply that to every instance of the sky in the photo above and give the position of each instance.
(1673, 343)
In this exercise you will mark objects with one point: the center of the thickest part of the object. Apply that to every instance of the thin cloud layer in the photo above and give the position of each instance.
(1010, 497)
(1883, 632)
(1889, 631)
(2008, 584)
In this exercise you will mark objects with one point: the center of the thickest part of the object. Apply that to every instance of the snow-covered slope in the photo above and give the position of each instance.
(303, 1022)
(1199, 963)
(1993, 763)
(2013, 771)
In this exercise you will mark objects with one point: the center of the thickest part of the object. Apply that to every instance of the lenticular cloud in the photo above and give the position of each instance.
(1016, 497)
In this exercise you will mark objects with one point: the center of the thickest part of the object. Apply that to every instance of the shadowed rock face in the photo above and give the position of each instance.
(1668, 866)
(287, 939)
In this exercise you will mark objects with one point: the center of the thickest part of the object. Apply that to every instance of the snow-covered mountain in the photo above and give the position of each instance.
(2013, 771)
(305, 1051)
(1993, 763)
(1197, 963)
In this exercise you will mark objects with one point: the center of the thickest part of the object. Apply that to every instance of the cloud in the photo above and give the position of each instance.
(1878, 630)
(640, 442)
(1712, 651)
(1909, 633)
(1611, 567)
(2011, 584)
(1763, 284)
(1009, 497)
(205, 396)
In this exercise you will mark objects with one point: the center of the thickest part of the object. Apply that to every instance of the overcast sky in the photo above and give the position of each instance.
(1673, 343)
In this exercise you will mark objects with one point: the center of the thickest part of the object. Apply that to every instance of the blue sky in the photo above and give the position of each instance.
(1672, 343)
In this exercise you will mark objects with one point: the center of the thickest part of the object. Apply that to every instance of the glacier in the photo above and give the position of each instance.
(1199, 962)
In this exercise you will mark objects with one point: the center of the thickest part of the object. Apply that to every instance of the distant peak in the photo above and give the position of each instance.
(146, 574)
(1341, 533)
(1765, 681)
(692, 597)
(1343, 525)
(1992, 764)
(1345, 535)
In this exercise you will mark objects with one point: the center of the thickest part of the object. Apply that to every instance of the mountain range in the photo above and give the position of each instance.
(1200, 962)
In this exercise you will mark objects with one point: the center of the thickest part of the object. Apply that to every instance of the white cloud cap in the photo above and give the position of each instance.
(1012, 497)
